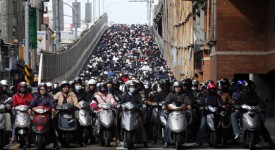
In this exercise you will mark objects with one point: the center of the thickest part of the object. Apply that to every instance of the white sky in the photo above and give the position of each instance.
(119, 11)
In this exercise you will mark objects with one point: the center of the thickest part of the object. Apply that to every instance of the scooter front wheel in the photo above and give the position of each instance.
(178, 139)
(67, 140)
(22, 140)
(252, 141)
(40, 141)
(130, 138)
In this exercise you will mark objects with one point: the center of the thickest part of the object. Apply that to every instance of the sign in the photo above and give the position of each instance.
(21, 53)
(41, 41)
(76, 13)
(67, 35)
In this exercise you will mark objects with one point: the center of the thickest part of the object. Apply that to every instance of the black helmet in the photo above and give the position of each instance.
(249, 86)
(195, 82)
(220, 85)
(78, 80)
(102, 87)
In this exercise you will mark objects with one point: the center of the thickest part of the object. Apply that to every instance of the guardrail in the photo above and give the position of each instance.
(66, 65)
(158, 39)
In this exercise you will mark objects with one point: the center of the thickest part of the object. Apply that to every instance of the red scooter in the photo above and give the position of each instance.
(41, 126)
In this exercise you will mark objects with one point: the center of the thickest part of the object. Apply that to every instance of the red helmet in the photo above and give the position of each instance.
(211, 88)
(22, 84)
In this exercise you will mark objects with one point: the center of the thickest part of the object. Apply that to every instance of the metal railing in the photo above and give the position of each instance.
(66, 65)
(158, 39)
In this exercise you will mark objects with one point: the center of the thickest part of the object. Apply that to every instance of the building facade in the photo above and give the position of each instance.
(173, 23)
(232, 39)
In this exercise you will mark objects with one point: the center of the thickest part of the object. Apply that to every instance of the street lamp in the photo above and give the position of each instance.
(110, 5)
(40, 38)
(53, 36)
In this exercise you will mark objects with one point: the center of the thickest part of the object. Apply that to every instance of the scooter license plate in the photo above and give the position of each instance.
(67, 116)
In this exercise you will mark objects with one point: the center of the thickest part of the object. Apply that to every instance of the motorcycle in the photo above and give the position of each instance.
(21, 124)
(213, 124)
(41, 119)
(251, 125)
(177, 123)
(3, 134)
(85, 120)
(129, 124)
(225, 125)
(67, 123)
(106, 121)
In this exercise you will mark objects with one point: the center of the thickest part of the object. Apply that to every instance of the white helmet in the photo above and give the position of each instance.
(5, 82)
(49, 84)
(92, 81)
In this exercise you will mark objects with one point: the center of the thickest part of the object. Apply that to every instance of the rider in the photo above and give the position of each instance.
(213, 99)
(44, 99)
(131, 95)
(102, 96)
(181, 98)
(22, 98)
(79, 91)
(67, 96)
(248, 96)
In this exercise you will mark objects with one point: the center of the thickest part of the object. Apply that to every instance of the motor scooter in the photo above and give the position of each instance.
(22, 124)
(106, 119)
(41, 127)
(129, 124)
(251, 125)
(67, 123)
(3, 132)
(85, 120)
(177, 123)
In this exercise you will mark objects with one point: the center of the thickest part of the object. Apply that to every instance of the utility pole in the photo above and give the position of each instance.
(98, 8)
(75, 22)
(57, 25)
(94, 7)
(27, 40)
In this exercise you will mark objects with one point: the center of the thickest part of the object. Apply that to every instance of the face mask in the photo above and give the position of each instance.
(132, 90)
(77, 87)
(110, 89)
(23, 90)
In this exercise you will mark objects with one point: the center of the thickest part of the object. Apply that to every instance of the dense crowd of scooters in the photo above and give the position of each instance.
(126, 93)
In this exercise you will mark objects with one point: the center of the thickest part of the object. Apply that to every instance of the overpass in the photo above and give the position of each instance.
(66, 65)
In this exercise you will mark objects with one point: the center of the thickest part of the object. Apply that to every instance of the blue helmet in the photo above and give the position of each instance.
(240, 84)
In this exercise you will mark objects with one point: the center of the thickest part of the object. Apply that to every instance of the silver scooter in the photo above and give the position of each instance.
(106, 119)
(177, 123)
(251, 125)
(22, 124)
(85, 119)
(213, 121)
(3, 135)
(129, 124)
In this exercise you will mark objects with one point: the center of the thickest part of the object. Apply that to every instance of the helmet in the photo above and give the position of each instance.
(240, 84)
(195, 83)
(165, 84)
(49, 84)
(64, 83)
(177, 83)
(211, 88)
(92, 81)
(102, 87)
(220, 85)
(248, 85)
(21, 84)
(42, 85)
(78, 80)
(4, 82)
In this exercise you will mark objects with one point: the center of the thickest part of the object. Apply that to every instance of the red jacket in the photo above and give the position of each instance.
(21, 100)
